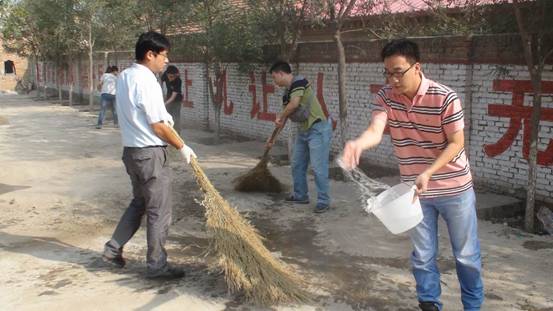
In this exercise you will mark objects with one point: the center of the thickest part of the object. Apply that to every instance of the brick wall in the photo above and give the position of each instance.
(9, 81)
(493, 118)
(495, 94)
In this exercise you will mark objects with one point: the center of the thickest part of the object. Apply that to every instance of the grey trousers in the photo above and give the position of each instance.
(151, 186)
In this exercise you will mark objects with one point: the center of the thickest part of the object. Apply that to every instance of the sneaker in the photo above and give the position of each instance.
(117, 261)
(98, 127)
(428, 306)
(169, 273)
(321, 208)
(291, 198)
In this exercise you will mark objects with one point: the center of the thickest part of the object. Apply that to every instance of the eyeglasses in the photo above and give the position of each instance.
(164, 55)
(396, 74)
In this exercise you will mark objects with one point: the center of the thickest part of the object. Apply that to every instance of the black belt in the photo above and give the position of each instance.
(157, 146)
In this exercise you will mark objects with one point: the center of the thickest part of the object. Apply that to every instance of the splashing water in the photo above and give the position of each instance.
(369, 187)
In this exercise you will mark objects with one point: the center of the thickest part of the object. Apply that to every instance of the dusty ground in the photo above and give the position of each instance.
(63, 188)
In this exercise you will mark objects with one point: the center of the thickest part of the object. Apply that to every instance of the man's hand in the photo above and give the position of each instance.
(421, 184)
(187, 153)
(279, 121)
(351, 154)
(269, 143)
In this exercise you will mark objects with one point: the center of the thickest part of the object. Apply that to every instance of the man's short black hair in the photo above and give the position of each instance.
(280, 66)
(150, 41)
(402, 47)
(114, 68)
(171, 69)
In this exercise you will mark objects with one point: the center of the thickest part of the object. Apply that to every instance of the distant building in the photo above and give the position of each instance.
(12, 68)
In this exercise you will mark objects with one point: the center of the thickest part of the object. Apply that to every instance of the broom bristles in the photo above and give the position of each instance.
(247, 264)
(258, 179)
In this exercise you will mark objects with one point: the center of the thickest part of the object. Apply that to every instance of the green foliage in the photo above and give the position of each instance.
(279, 22)
(219, 32)
(459, 17)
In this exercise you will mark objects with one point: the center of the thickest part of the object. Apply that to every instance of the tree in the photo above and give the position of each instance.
(534, 25)
(281, 22)
(337, 13)
(220, 32)
(160, 15)
(337, 16)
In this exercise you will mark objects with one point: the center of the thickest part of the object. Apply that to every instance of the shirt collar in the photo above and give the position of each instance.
(143, 68)
(425, 84)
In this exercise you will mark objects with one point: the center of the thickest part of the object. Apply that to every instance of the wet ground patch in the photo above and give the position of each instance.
(223, 139)
(9, 188)
(537, 245)
(371, 170)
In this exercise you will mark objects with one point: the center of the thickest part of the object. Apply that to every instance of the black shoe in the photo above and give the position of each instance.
(168, 273)
(428, 306)
(117, 261)
(291, 198)
(321, 208)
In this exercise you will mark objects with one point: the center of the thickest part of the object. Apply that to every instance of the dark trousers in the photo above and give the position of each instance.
(174, 110)
(151, 185)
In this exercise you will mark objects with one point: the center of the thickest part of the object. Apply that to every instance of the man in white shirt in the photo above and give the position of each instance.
(145, 130)
(107, 86)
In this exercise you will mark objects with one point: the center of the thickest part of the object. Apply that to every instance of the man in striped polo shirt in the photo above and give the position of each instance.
(426, 127)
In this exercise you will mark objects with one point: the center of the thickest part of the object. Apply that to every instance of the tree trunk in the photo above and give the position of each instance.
(78, 79)
(529, 214)
(217, 123)
(208, 96)
(216, 97)
(532, 48)
(71, 94)
(342, 93)
(58, 82)
(35, 76)
(90, 70)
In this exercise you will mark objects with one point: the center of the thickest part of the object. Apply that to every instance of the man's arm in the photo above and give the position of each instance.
(456, 142)
(171, 98)
(288, 109)
(166, 134)
(370, 138)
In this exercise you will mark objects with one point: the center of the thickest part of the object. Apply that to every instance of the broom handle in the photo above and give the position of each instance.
(271, 141)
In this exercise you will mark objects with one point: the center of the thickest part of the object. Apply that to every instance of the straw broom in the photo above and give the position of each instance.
(246, 262)
(260, 179)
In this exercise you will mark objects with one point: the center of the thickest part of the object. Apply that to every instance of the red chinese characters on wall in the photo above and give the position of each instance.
(266, 89)
(519, 115)
(187, 84)
(220, 94)
(261, 111)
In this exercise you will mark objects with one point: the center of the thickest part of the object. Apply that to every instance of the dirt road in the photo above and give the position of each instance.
(63, 188)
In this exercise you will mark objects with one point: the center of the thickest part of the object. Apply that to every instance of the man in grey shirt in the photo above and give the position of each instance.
(145, 130)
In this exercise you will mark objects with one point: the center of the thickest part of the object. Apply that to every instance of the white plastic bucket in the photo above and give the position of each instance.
(395, 208)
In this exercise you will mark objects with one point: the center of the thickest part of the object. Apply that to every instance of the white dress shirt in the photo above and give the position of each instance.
(139, 104)
(108, 83)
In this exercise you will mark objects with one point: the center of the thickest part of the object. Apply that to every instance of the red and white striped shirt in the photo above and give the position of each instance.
(419, 130)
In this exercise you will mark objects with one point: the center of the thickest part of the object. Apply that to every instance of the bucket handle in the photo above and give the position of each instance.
(370, 207)
(414, 189)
